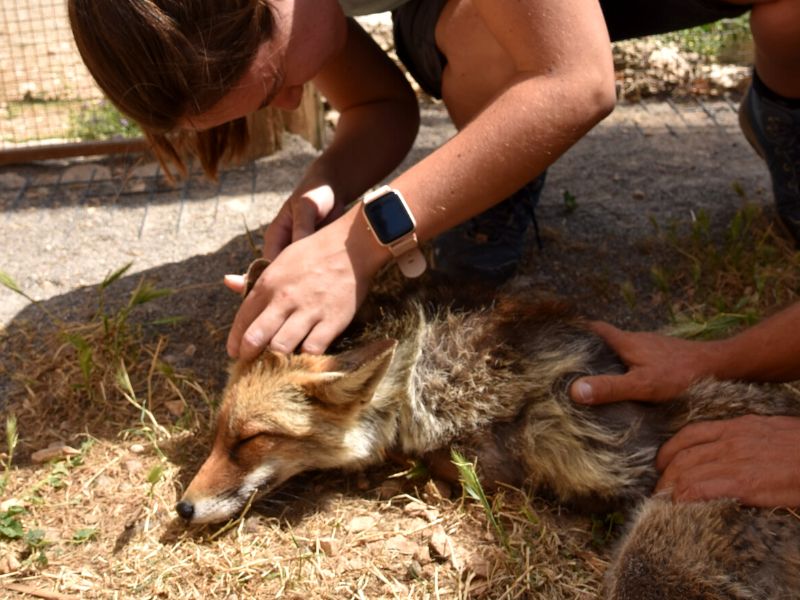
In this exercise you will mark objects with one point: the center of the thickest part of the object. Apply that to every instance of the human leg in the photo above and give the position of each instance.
(770, 113)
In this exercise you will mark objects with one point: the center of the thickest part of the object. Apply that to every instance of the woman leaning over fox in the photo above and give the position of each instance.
(522, 81)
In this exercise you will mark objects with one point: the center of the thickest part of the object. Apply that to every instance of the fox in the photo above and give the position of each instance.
(424, 372)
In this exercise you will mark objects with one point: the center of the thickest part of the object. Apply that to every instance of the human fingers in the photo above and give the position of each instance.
(602, 389)
(694, 434)
(251, 308)
(278, 234)
(235, 283)
(703, 483)
(691, 458)
(293, 331)
(305, 214)
(259, 333)
(321, 336)
(613, 336)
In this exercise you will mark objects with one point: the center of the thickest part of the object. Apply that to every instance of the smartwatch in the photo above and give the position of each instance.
(393, 225)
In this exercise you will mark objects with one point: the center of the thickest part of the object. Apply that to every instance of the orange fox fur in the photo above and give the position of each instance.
(491, 381)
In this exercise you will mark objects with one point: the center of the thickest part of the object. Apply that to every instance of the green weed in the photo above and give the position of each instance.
(82, 536)
(722, 278)
(722, 40)
(628, 291)
(604, 528)
(12, 439)
(10, 524)
(472, 487)
(101, 121)
(8, 282)
(570, 202)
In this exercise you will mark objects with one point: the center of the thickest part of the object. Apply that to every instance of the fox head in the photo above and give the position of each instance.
(283, 414)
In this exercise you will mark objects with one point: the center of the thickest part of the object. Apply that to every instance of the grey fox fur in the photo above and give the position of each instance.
(421, 375)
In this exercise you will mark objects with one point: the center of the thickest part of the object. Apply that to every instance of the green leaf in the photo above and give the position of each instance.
(570, 202)
(84, 535)
(12, 436)
(169, 320)
(85, 358)
(7, 281)
(35, 538)
(124, 381)
(10, 525)
(155, 474)
(146, 292)
(115, 276)
(472, 486)
(11, 529)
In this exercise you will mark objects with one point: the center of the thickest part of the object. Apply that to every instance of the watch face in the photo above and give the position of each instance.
(389, 217)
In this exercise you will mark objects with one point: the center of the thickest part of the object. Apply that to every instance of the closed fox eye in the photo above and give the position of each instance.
(247, 440)
(252, 441)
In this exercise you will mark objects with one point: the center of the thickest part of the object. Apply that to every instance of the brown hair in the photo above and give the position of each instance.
(161, 60)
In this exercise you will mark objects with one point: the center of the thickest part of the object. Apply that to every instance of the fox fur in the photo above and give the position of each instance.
(491, 380)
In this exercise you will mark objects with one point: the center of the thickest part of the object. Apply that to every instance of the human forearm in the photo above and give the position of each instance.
(768, 351)
(530, 124)
(520, 91)
(370, 141)
(378, 121)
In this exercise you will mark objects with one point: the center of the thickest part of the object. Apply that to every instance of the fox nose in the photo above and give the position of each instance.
(185, 510)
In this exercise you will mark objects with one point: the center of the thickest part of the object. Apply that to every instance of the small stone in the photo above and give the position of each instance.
(175, 407)
(137, 186)
(443, 546)
(86, 174)
(423, 555)
(330, 546)
(359, 524)
(389, 489)
(10, 503)
(137, 448)
(638, 195)
(54, 451)
(402, 545)
(9, 564)
(419, 509)
(11, 181)
(133, 465)
(440, 542)
(252, 525)
(479, 564)
(190, 350)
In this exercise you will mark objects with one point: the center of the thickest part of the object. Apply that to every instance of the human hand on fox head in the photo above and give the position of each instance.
(754, 458)
(308, 294)
(659, 367)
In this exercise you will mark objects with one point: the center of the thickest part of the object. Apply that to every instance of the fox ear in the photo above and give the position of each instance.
(355, 374)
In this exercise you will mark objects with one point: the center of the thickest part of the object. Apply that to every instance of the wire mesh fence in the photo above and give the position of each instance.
(46, 94)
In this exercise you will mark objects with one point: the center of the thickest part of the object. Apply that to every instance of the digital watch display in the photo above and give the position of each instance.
(393, 225)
